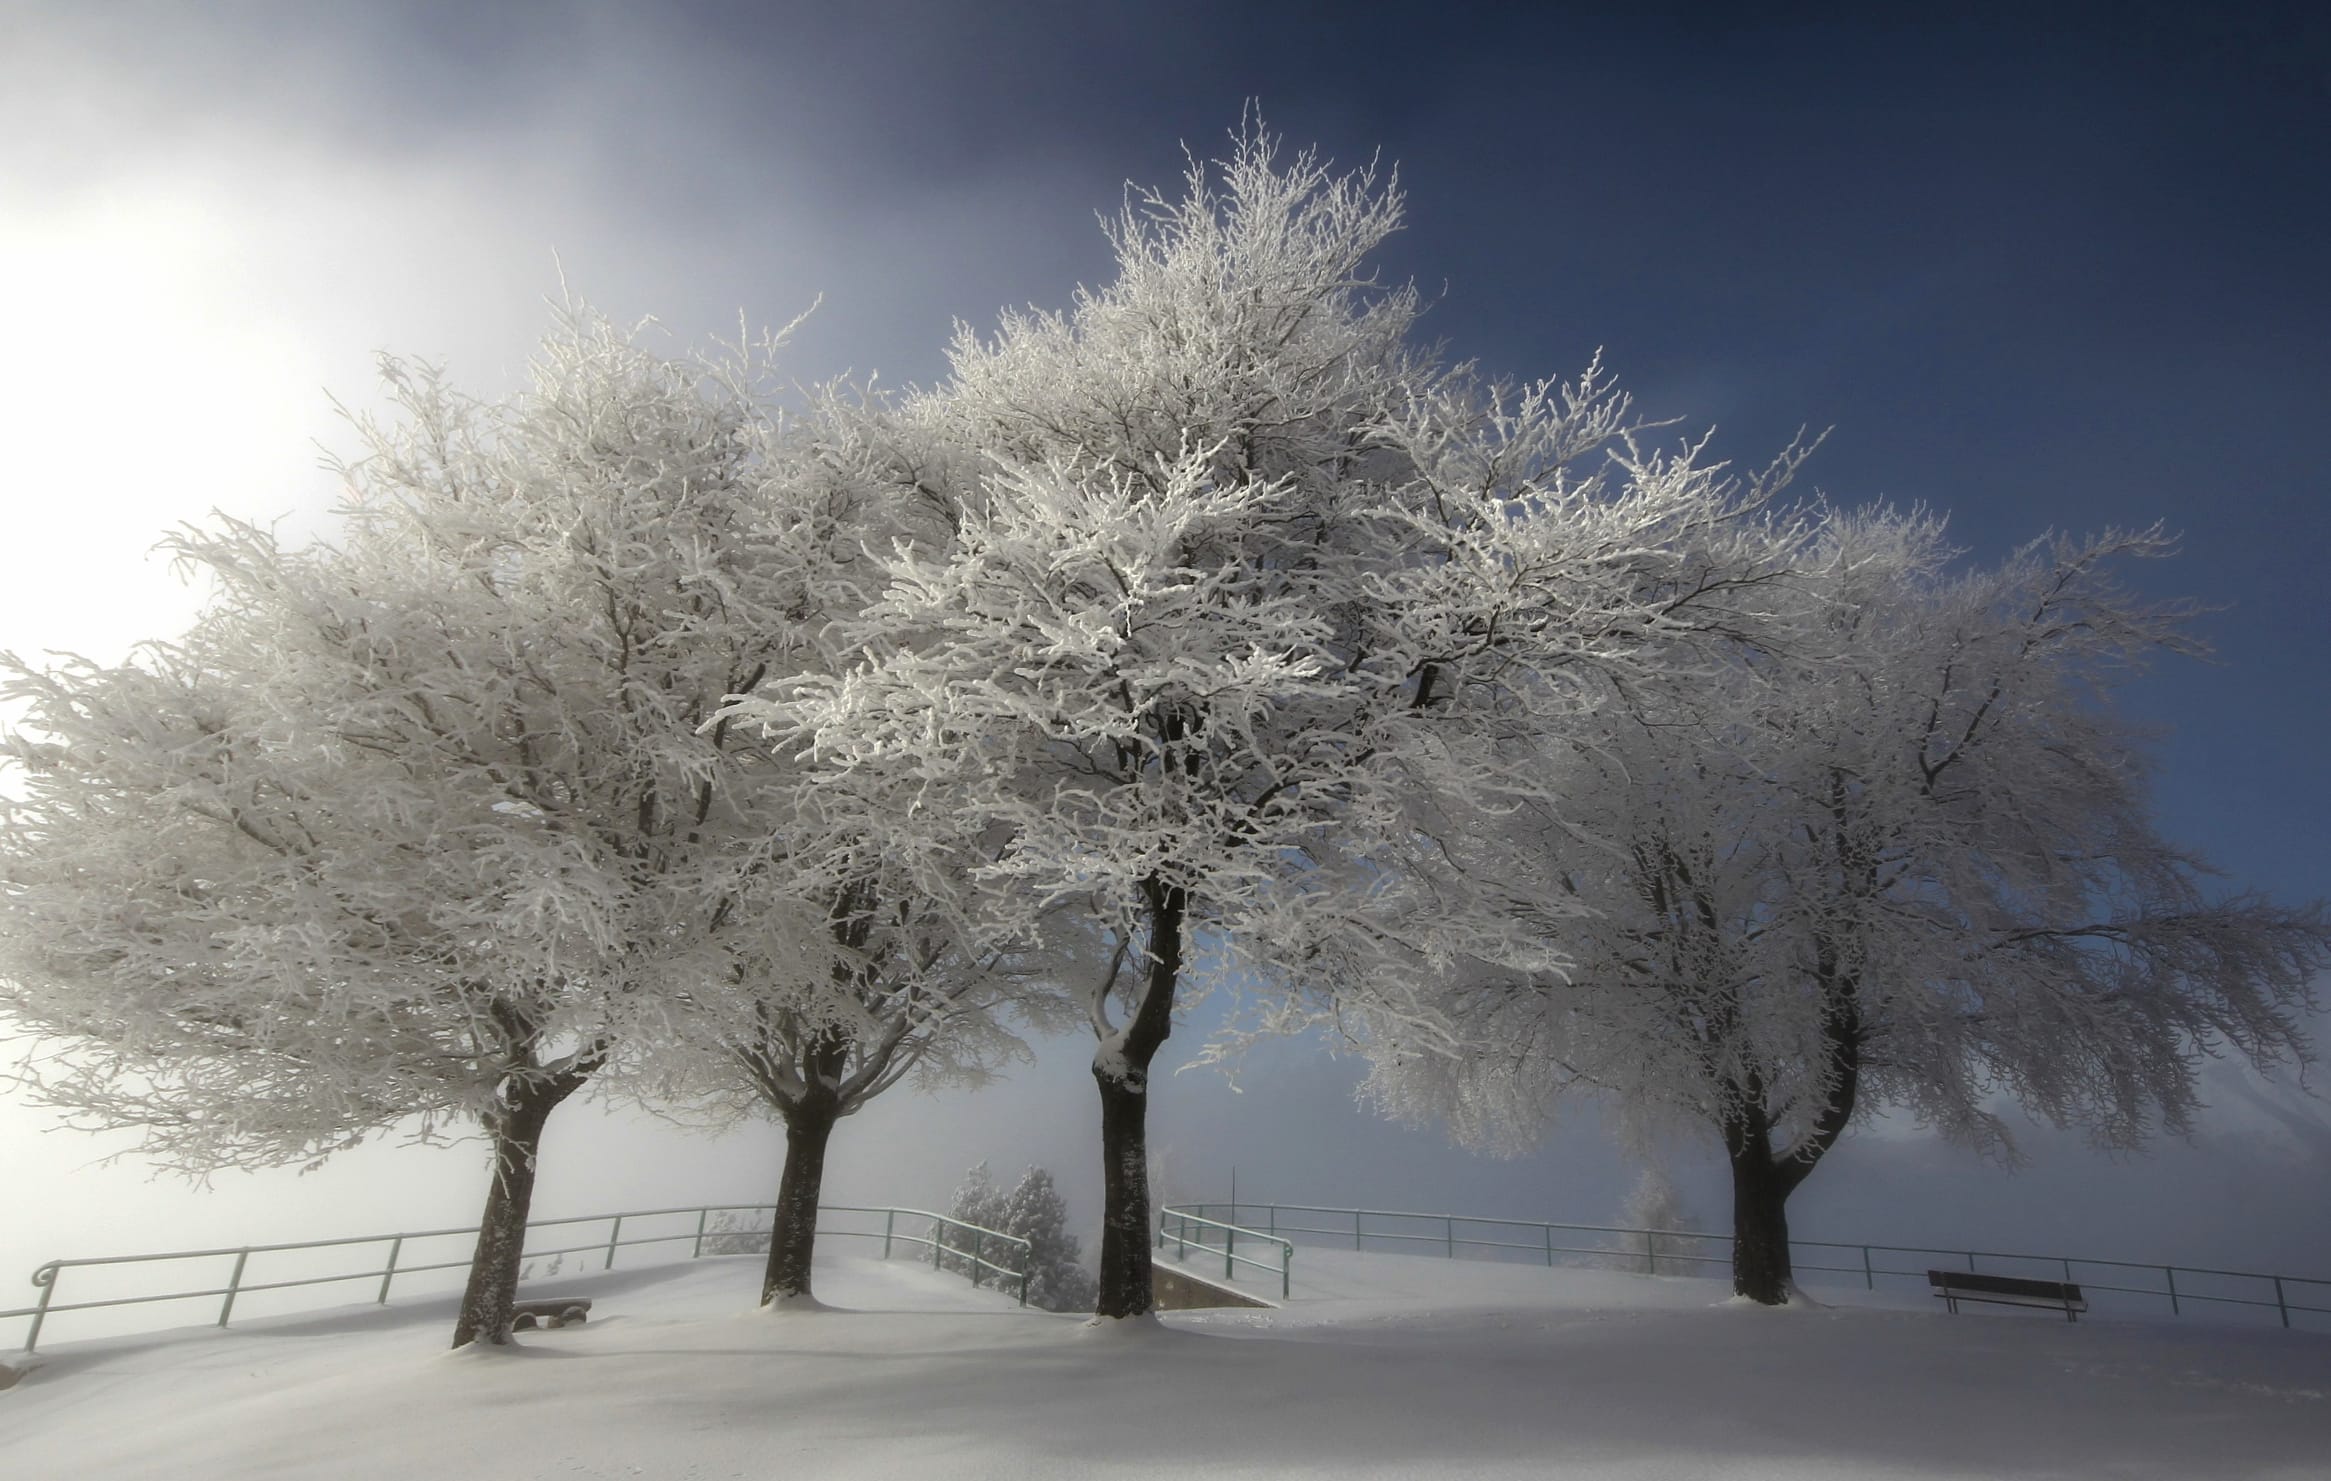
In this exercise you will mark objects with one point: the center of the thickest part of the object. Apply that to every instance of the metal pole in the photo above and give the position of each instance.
(46, 1279)
(978, 1253)
(702, 1215)
(937, 1228)
(234, 1284)
(1651, 1252)
(2279, 1305)
(1286, 1264)
(614, 1236)
(1355, 1229)
(2171, 1272)
(1230, 1230)
(395, 1247)
(889, 1223)
(1451, 1222)
(1870, 1277)
(1549, 1246)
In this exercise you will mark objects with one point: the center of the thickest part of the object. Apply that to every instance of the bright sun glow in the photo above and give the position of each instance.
(149, 380)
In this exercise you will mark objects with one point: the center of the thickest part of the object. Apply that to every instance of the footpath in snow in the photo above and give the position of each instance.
(1384, 1366)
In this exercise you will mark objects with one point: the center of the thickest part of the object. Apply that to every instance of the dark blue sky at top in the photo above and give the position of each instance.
(2041, 267)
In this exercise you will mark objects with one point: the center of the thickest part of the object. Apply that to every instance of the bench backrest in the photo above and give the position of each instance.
(2003, 1285)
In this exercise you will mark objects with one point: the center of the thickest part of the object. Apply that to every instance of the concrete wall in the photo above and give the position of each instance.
(1175, 1289)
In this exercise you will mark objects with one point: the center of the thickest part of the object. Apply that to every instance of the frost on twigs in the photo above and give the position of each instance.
(421, 820)
(1242, 610)
(1888, 848)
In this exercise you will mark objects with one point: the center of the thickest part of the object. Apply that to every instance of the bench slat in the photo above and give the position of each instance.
(1954, 1286)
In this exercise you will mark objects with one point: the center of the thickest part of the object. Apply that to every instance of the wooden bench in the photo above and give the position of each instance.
(1955, 1286)
(553, 1311)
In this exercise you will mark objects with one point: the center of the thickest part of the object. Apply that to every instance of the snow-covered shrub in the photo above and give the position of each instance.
(1655, 1203)
(979, 1202)
(735, 1232)
(1034, 1211)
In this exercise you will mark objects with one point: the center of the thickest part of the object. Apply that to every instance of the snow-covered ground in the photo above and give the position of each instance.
(1382, 1366)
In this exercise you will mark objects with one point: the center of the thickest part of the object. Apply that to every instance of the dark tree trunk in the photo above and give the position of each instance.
(1125, 1255)
(1762, 1179)
(516, 1128)
(1123, 1078)
(793, 1235)
(1761, 1270)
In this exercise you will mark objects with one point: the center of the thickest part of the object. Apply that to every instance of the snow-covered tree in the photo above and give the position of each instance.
(426, 821)
(1655, 1208)
(1241, 594)
(1896, 853)
(977, 1202)
(1035, 1211)
(894, 987)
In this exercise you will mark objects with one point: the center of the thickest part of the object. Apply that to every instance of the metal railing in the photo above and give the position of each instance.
(1183, 1228)
(1651, 1250)
(950, 1241)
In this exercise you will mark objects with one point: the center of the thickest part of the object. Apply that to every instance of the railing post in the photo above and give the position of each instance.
(1451, 1222)
(1549, 1228)
(1286, 1269)
(396, 1247)
(1651, 1252)
(702, 1216)
(938, 1227)
(2171, 1272)
(2279, 1304)
(614, 1237)
(1870, 1276)
(234, 1284)
(1229, 1241)
(1273, 1210)
(48, 1288)
(1355, 1229)
(978, 1253)
(889, 1224)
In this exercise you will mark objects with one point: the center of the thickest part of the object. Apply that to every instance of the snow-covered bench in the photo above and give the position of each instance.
(1955, 1286)
(554, 1311)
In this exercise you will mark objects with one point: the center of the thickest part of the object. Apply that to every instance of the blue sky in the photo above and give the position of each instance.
(2041, 267)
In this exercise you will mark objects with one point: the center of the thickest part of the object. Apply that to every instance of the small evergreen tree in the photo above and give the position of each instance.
(977, 1201)
(1035, 1211)
(1655, 1203)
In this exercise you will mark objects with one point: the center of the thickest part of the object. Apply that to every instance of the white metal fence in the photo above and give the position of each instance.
(234, 1274)
(2130, 1287)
